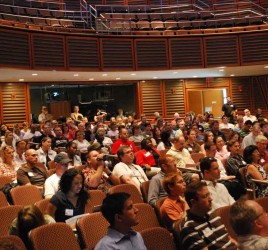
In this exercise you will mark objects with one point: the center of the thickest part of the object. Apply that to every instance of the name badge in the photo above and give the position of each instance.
(147, 154)
(244, 162)
(69, 212)
(190, 149)
(262, 160)
(207, 232)
(31, 174)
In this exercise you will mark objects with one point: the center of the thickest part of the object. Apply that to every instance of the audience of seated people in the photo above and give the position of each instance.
(32, 163)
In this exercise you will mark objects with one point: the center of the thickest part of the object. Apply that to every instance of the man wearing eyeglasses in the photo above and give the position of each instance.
(126, 170)
(201, 229)
(250, 222)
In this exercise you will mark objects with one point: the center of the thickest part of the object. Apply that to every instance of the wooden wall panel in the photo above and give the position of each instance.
(83, 53)
(151, 99)
(181, 52)
(241, 92)
(174, 97)
(48, 51)
(254, 49)
(196, 83)
(222, 51)
(218, 82)
(151, 54)
(260, 93)
(14, 103)
(115, 2)
(117, 54)
(14, 49)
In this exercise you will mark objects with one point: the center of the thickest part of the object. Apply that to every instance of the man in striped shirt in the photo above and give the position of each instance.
(201, 229)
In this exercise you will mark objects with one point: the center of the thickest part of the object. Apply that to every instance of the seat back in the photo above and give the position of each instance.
(25, 195)
(7, 215)
(4, 180)
(130, 189)
(43, 205)
(95, 200)
(91, 229)
(57, 236)
(145, 190)
(197, 157)
(157, 211)
(3, 200)
(224, 213)
(12, 242)
(147, 217)
(164, 239)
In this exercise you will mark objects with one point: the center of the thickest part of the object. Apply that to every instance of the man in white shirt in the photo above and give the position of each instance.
(250, 139)
(225, 124)
(248, 116)
(52, 183)
(219, 193)
(128, 172)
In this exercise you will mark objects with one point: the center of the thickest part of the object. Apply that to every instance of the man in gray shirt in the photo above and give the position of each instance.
(156, 191)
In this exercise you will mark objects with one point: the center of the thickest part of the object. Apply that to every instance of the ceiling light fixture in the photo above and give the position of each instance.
(34, 74)
(76, 75)
(118, 78)
(21, 80)
(104, 74)
(133, 74)
(91, 79)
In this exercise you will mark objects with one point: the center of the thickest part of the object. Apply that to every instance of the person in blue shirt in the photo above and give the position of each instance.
(119, 210)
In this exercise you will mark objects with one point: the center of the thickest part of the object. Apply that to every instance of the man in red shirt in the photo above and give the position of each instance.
(123, 135)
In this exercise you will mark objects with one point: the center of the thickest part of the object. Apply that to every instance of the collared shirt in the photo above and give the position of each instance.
(181, 157)
(43, 157)
(252, 242)
(116, 240)
(19, 160)
(208, 231)
(220, 195)
(134, 172)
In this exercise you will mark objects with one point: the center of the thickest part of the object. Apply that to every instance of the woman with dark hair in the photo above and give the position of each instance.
(208, 138)
(165, 141)
(157, 134)
(71, 150)
(71, 198)
(254, 169)
(45, 153)
(148, 157)
(222, 152)
(28, 218)
(234, 136)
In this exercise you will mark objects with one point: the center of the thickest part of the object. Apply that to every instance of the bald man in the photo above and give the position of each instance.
(32, 172)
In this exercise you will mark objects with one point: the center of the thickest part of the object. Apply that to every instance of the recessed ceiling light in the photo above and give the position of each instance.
(76, 74)
(221, 70)
(142, 81)
(52, 85)
(232, 75)
(194, 76)
(155, 77)
(21, 80)
(118, 78)
(104, 74)
(91, 79)
(34, 74)
(175, 72)
(266, 67)
(222, 67)
(133, 74)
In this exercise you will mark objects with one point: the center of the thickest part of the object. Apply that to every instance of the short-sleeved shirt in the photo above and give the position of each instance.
(52, 184)
(208, 231)
(35, 175)
(116, 240)
(120, 143)
(65, 208)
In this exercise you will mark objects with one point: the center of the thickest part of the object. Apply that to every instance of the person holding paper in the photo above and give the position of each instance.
(71, 199)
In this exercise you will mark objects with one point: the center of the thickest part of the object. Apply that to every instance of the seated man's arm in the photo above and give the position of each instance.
(153, 192)
(22, 177)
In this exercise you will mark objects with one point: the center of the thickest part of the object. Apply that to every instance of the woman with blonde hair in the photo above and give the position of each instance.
(8, 167)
